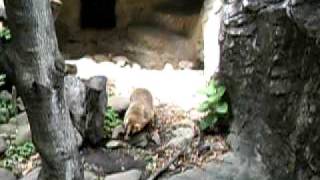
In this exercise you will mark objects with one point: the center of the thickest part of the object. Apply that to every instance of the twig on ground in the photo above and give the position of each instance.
(166, 166)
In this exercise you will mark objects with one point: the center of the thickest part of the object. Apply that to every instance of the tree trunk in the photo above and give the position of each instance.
(38, 72)
(270, 66)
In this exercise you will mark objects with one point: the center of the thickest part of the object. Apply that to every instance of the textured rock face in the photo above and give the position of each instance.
(179, 16)
(87, 100)
(151, 31)
(269, 63)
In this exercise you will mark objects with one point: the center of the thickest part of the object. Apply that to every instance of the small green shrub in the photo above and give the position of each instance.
(214, 106)
(5, 33)
(7, 107)
(17, 154)
(7, 110)
(111, 121)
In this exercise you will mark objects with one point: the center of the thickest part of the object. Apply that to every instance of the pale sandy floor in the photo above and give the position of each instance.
(177, 87)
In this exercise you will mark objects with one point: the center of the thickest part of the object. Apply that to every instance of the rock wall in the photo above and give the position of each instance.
(270, 66)
(177, 22)
(68, 21)
(128, 12)
(133, 12)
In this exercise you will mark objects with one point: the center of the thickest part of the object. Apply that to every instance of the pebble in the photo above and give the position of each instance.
(114, 144)
(156, 138)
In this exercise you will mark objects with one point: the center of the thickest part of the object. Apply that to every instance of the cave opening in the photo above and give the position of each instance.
(99, 14)
(182, 7)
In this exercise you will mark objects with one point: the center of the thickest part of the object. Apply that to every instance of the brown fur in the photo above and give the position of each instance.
(140, 111)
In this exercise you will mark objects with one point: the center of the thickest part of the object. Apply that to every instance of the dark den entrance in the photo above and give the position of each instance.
(98, 14)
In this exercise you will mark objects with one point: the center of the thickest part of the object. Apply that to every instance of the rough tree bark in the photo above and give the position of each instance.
(270, 64)
(34, 64)
(38, 72)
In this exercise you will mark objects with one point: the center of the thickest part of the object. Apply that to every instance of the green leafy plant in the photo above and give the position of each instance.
(7, 110)
(111, 121)
(7, 107)
(17, 154)
(5, 33)
(214, 106)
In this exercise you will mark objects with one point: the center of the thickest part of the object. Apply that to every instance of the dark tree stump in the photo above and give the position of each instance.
(87, 101)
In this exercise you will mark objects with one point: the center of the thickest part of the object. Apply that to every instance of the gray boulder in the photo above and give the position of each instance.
(22, 119)
(7, 129)
(23, 135)
(88, 175)
(5, 95)
(232, 167)
(119, 104)
(128, 175)
(87, 100)
(104, 162)
(117, 131)
(181, 135)
(139, 140)
(269, 66)
(33, 175)
(6, 175)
